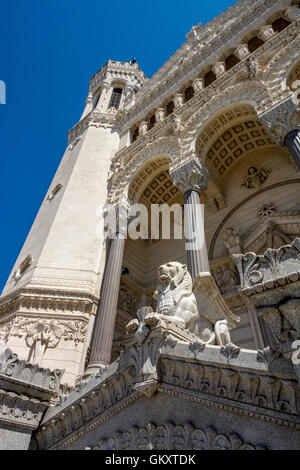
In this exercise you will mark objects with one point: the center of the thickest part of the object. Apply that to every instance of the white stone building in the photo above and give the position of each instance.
(218, 123)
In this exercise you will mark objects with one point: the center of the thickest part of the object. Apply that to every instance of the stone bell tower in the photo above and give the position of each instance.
(49, 302)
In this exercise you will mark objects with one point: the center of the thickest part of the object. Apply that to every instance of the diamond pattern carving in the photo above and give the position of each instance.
(144, 177)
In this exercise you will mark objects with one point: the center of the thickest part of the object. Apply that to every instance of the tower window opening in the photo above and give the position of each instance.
(115, 99)
(280, 24)
(209, 78)
(231, 61)
(188, 93)
(254, 44)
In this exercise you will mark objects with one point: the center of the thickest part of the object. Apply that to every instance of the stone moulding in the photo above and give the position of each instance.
(25, 391)
(167, 363)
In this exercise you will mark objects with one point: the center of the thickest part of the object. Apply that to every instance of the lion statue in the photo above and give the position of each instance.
(177, 303)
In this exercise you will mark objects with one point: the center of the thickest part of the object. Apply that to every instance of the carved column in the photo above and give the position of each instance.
(105, 322)
(292, 141)
(192, 177)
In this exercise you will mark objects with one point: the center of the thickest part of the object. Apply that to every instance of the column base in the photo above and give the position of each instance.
(94, 369)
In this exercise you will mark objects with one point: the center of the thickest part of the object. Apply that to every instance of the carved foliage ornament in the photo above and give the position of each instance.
(191, 175)
(169, 436)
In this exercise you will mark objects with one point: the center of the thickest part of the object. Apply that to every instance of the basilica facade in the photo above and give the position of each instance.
(122, 342)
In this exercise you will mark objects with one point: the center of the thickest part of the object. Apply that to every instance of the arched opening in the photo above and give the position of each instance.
(254, 43)
(151, 185)
(231, 61)
(209, 78)
(280, 24)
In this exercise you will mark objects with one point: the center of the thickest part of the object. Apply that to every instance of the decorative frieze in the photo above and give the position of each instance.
(169, 436)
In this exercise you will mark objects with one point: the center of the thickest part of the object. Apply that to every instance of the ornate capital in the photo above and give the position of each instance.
(281, 119)
(190, 175)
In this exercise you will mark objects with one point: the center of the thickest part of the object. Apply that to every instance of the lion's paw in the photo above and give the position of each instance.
(132, 326)
(152, 319)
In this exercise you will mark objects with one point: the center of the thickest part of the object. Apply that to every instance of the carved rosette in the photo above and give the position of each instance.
(192, 175)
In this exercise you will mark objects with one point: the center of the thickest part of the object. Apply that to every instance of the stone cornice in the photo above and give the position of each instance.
(84, 302)
(95, 118)
(152, 95)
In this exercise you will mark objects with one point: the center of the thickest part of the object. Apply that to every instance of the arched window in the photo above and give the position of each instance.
(188, 93)
(231, 61)
(255, 43)
(280, 24)
(209, 78)
(115, 99)
(135, 135)
(169, 108)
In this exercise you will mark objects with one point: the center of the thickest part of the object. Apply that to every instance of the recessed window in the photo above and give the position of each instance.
(54, 192)
(255, 43)
(135, 135)
(152, 121)
(231, 61)
(115, 99)
(24, 266)
(209, 78)
(188, 93)
(170, 108)
(280, 24)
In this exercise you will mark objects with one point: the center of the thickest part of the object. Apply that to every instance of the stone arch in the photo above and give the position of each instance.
(229, 135)
(126, 166)
(278, 70)
(245, 93)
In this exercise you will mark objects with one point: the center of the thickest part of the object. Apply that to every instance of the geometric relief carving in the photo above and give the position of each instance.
(169, 436)
(144, 175)
(160, 190)
(256, 178)
(234, 143)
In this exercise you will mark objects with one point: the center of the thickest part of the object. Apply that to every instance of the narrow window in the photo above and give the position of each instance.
(209, 78)
(280, 25)
(255, 43)
(135, 135)
(115, 98)
(231, 61)
(188, 93)
(152, 122)
(170, 108)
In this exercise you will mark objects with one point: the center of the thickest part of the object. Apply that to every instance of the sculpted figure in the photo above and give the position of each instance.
(177, 303)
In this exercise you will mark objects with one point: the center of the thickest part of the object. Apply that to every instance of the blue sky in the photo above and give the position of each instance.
(49, 50)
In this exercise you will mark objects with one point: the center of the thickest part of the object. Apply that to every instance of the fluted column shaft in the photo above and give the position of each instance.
(197, 258)
(292, 141)
(105, 321)
(191, 177)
